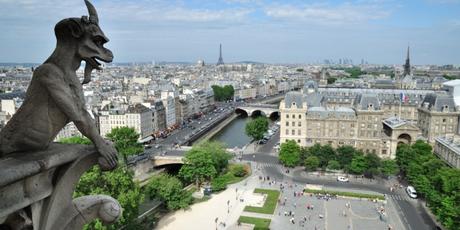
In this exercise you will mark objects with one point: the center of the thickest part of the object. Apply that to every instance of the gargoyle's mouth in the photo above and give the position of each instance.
(95, 63)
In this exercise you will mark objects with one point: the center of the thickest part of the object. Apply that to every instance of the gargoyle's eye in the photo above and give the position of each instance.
(99, 41)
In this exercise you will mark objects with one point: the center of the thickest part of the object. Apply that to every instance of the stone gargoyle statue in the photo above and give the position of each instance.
(38, 177)
(55, 94)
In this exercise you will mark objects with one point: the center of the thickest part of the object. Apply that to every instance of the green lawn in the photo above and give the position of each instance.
(220, 183)
(260, 223)
(270, 202)
(349, 194)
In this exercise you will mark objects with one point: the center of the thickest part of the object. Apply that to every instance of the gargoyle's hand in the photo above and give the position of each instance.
(109, 158)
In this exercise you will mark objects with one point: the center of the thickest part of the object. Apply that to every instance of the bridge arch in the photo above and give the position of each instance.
(258, 112)
(242, 112)
(275, 115)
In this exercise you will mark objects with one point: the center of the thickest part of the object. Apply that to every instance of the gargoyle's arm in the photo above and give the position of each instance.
(52, 79)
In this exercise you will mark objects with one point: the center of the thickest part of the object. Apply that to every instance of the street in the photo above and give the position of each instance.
(414, 217)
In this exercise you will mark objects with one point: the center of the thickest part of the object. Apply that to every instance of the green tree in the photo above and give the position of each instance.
(217, 151)
(331, 80)
(404, 155)
(345, 155)
(326, 154)
(125, 140)
(389, 167)
(290, 153)
(198, 166)
(311, 163)
(373, 164)
(118, 184)
(333, 164)
(170, 190)
(422, 148)
(354, 72)
(223, 93)
(358, 165)
(257, 127)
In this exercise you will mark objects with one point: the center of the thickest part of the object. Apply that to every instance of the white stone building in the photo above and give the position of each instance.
(136, 116)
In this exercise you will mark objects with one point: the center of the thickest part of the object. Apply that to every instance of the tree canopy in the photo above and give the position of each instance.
(311, 163)
(289, 153)
(170, 190)
(256, 128)
(203, 162)
(434, 180)
(125, 140)
(118, 183)
(223, 93)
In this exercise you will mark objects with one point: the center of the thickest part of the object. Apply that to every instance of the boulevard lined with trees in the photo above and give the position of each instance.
(345, 158)
(434, 181)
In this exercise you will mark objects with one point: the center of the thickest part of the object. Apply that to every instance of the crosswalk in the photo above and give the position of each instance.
(262, 165)
(399, 197)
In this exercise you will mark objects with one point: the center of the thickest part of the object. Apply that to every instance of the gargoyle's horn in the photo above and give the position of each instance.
(92, 12)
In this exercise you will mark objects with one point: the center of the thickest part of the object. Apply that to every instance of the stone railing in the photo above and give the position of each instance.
(36, 190)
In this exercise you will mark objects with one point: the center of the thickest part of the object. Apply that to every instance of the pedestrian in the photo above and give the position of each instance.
(312, 206)
(295, 205)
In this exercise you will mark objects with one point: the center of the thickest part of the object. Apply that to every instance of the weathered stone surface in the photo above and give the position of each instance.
(44, 181)
(55, 95)
(37, 177)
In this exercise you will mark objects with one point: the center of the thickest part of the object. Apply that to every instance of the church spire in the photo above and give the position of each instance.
(407, 68)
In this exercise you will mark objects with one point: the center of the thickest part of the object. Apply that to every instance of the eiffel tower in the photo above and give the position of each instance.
(221, 60)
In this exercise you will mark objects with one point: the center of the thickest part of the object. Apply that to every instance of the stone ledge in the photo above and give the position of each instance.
(18, 166)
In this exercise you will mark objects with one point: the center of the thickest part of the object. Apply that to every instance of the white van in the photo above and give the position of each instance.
(411, 192)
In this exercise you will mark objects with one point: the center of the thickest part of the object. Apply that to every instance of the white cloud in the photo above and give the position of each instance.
(325, 14)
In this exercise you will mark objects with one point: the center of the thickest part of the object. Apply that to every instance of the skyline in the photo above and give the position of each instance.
(377, 31)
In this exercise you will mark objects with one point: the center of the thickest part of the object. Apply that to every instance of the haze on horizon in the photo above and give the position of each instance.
(291, 31)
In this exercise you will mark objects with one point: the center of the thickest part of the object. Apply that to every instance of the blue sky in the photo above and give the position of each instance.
(289, 31)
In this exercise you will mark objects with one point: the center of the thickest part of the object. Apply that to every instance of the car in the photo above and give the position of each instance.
(342, 179)
(411, 192)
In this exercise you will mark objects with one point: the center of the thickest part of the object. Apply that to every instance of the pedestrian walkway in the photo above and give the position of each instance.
(398, 197)
(220, 212)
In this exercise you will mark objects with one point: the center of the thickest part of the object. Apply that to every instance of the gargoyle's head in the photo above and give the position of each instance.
(89, 39)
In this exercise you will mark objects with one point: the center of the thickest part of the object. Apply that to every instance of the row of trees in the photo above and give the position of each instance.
(433, 180)
(223, 93)
(345, 157)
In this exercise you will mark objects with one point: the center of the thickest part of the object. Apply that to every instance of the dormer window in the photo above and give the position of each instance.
(293, 103)
(445, 108)
(370, 106)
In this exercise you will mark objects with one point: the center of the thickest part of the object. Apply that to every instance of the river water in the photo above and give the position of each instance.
(233, 135)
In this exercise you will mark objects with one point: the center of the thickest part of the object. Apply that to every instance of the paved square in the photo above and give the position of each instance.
(332, 214)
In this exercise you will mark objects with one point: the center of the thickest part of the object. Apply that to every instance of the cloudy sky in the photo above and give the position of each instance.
(285, 31)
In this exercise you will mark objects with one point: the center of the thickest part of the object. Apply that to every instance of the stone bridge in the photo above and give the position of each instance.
(268, 110)
(175, 156)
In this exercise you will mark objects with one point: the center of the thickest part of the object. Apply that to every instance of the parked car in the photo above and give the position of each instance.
(261, 142)
(342, 179)
(411, 192)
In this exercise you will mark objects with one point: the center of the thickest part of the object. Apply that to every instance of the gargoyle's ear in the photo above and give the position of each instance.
(75, 28)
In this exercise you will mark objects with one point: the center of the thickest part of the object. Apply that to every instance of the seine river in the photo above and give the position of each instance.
(233, 134)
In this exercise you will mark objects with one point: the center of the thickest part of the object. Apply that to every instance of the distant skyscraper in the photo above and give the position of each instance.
(407, 69)
(221, 60)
